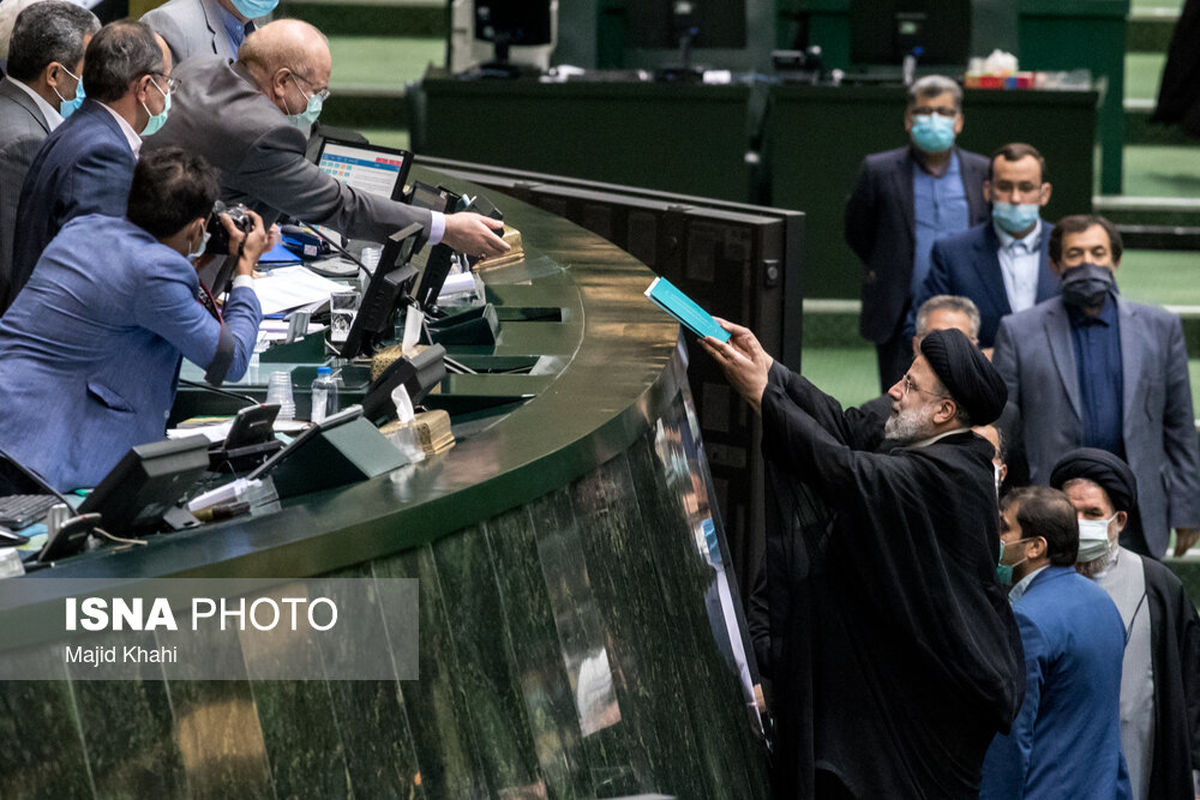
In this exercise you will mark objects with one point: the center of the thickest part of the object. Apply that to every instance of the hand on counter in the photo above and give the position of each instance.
(474, 234)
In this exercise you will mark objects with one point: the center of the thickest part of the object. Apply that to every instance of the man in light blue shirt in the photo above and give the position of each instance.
(902, 201)
(1003, 265)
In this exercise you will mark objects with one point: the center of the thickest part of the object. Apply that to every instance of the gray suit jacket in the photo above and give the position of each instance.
(191, 28)
(23, 128)
(1035, 355)
(220, 114)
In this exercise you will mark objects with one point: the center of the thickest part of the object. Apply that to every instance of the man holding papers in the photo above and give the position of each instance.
(90, 351)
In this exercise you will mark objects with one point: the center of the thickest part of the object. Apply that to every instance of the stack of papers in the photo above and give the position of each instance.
(289, 288)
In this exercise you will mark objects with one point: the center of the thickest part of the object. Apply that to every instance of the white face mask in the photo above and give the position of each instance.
(1093, 538)
(200, 251)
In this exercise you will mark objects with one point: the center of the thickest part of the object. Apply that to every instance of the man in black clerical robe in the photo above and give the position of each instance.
(1160, 681)
(895, 655)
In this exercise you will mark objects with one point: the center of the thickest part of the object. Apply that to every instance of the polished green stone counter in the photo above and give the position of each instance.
(557, 551)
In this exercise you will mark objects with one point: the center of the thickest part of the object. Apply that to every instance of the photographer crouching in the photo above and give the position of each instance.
(90, 350)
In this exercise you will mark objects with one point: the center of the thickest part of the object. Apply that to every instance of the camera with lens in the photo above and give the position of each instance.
(219, 237)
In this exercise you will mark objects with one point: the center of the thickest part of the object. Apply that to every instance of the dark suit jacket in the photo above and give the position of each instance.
(1066, 741)
(1036, 357)
(23, 128)
(969, 265)
(220, 114)
(881, 229)
(84, 167)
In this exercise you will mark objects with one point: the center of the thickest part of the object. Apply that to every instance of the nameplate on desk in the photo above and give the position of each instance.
(346, 454)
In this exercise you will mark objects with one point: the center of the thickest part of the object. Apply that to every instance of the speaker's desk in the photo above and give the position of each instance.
(560, 527)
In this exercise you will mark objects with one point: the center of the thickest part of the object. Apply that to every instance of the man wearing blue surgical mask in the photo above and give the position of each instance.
(207, 27)
(251, 120)
(86, 164)
(1004, 263)
(1092, 369)
(45, 76)
(904, 200)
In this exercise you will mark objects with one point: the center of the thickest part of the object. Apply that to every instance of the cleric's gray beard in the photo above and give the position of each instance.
(911, 425)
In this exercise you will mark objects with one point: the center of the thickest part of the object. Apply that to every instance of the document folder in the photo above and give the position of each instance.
(684, 309)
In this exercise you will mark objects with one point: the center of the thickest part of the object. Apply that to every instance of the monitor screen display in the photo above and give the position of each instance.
(376, 170)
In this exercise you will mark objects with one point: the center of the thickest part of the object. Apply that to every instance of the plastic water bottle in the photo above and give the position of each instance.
(324, 395)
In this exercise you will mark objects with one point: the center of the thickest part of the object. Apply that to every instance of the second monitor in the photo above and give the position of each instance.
(391, 283)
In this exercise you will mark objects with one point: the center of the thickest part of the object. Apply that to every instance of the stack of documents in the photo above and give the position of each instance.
(289, 288)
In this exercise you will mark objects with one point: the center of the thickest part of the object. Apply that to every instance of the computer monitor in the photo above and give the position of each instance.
(391, 283)
(508, 23)
(663, 24)
(885, 31)
(146, 484)
(370, 168)
(437, 260)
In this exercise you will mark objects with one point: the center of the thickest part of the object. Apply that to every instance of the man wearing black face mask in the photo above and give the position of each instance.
(1090, 369)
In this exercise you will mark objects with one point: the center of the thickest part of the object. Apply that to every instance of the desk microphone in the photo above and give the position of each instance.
(225, 392)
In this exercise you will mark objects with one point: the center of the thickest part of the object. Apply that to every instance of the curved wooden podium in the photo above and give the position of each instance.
(572, 638)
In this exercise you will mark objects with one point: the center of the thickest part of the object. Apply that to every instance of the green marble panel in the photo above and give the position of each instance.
(371, 719)
(614, 758)
(734, 762)
(217, 728)
(41, 752)
(129, 730)
(220, 740)
(304, 746)
(537, 656)
(437, 711)
(650, 689)
(478, 624)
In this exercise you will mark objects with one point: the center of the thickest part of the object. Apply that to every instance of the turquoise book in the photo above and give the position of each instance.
(667, 297)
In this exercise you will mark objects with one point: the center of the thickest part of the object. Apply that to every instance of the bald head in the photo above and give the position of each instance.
(289, 61)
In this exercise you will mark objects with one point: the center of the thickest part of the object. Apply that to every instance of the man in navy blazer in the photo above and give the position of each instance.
(1090, 369)
(86, 164)
(1066, 739)
(90, 351)
(902, 201)
(1003, 264)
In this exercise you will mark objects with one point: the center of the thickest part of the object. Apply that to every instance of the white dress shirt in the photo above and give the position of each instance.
(131, 136)
(1019, 263)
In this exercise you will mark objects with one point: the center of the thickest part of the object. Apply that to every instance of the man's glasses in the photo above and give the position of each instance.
(907, 385)
(942, 111)
(171, 84)
(321, 94)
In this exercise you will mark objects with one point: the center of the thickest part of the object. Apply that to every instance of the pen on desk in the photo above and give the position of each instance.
(223, 511)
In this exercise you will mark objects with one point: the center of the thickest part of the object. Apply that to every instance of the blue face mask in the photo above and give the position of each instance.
(1015, 219)
(157, 120)
(306, 119)
(68, 107)
(253, 9)
(933, 133)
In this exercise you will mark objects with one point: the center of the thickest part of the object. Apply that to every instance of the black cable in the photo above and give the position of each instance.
(196, 384)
